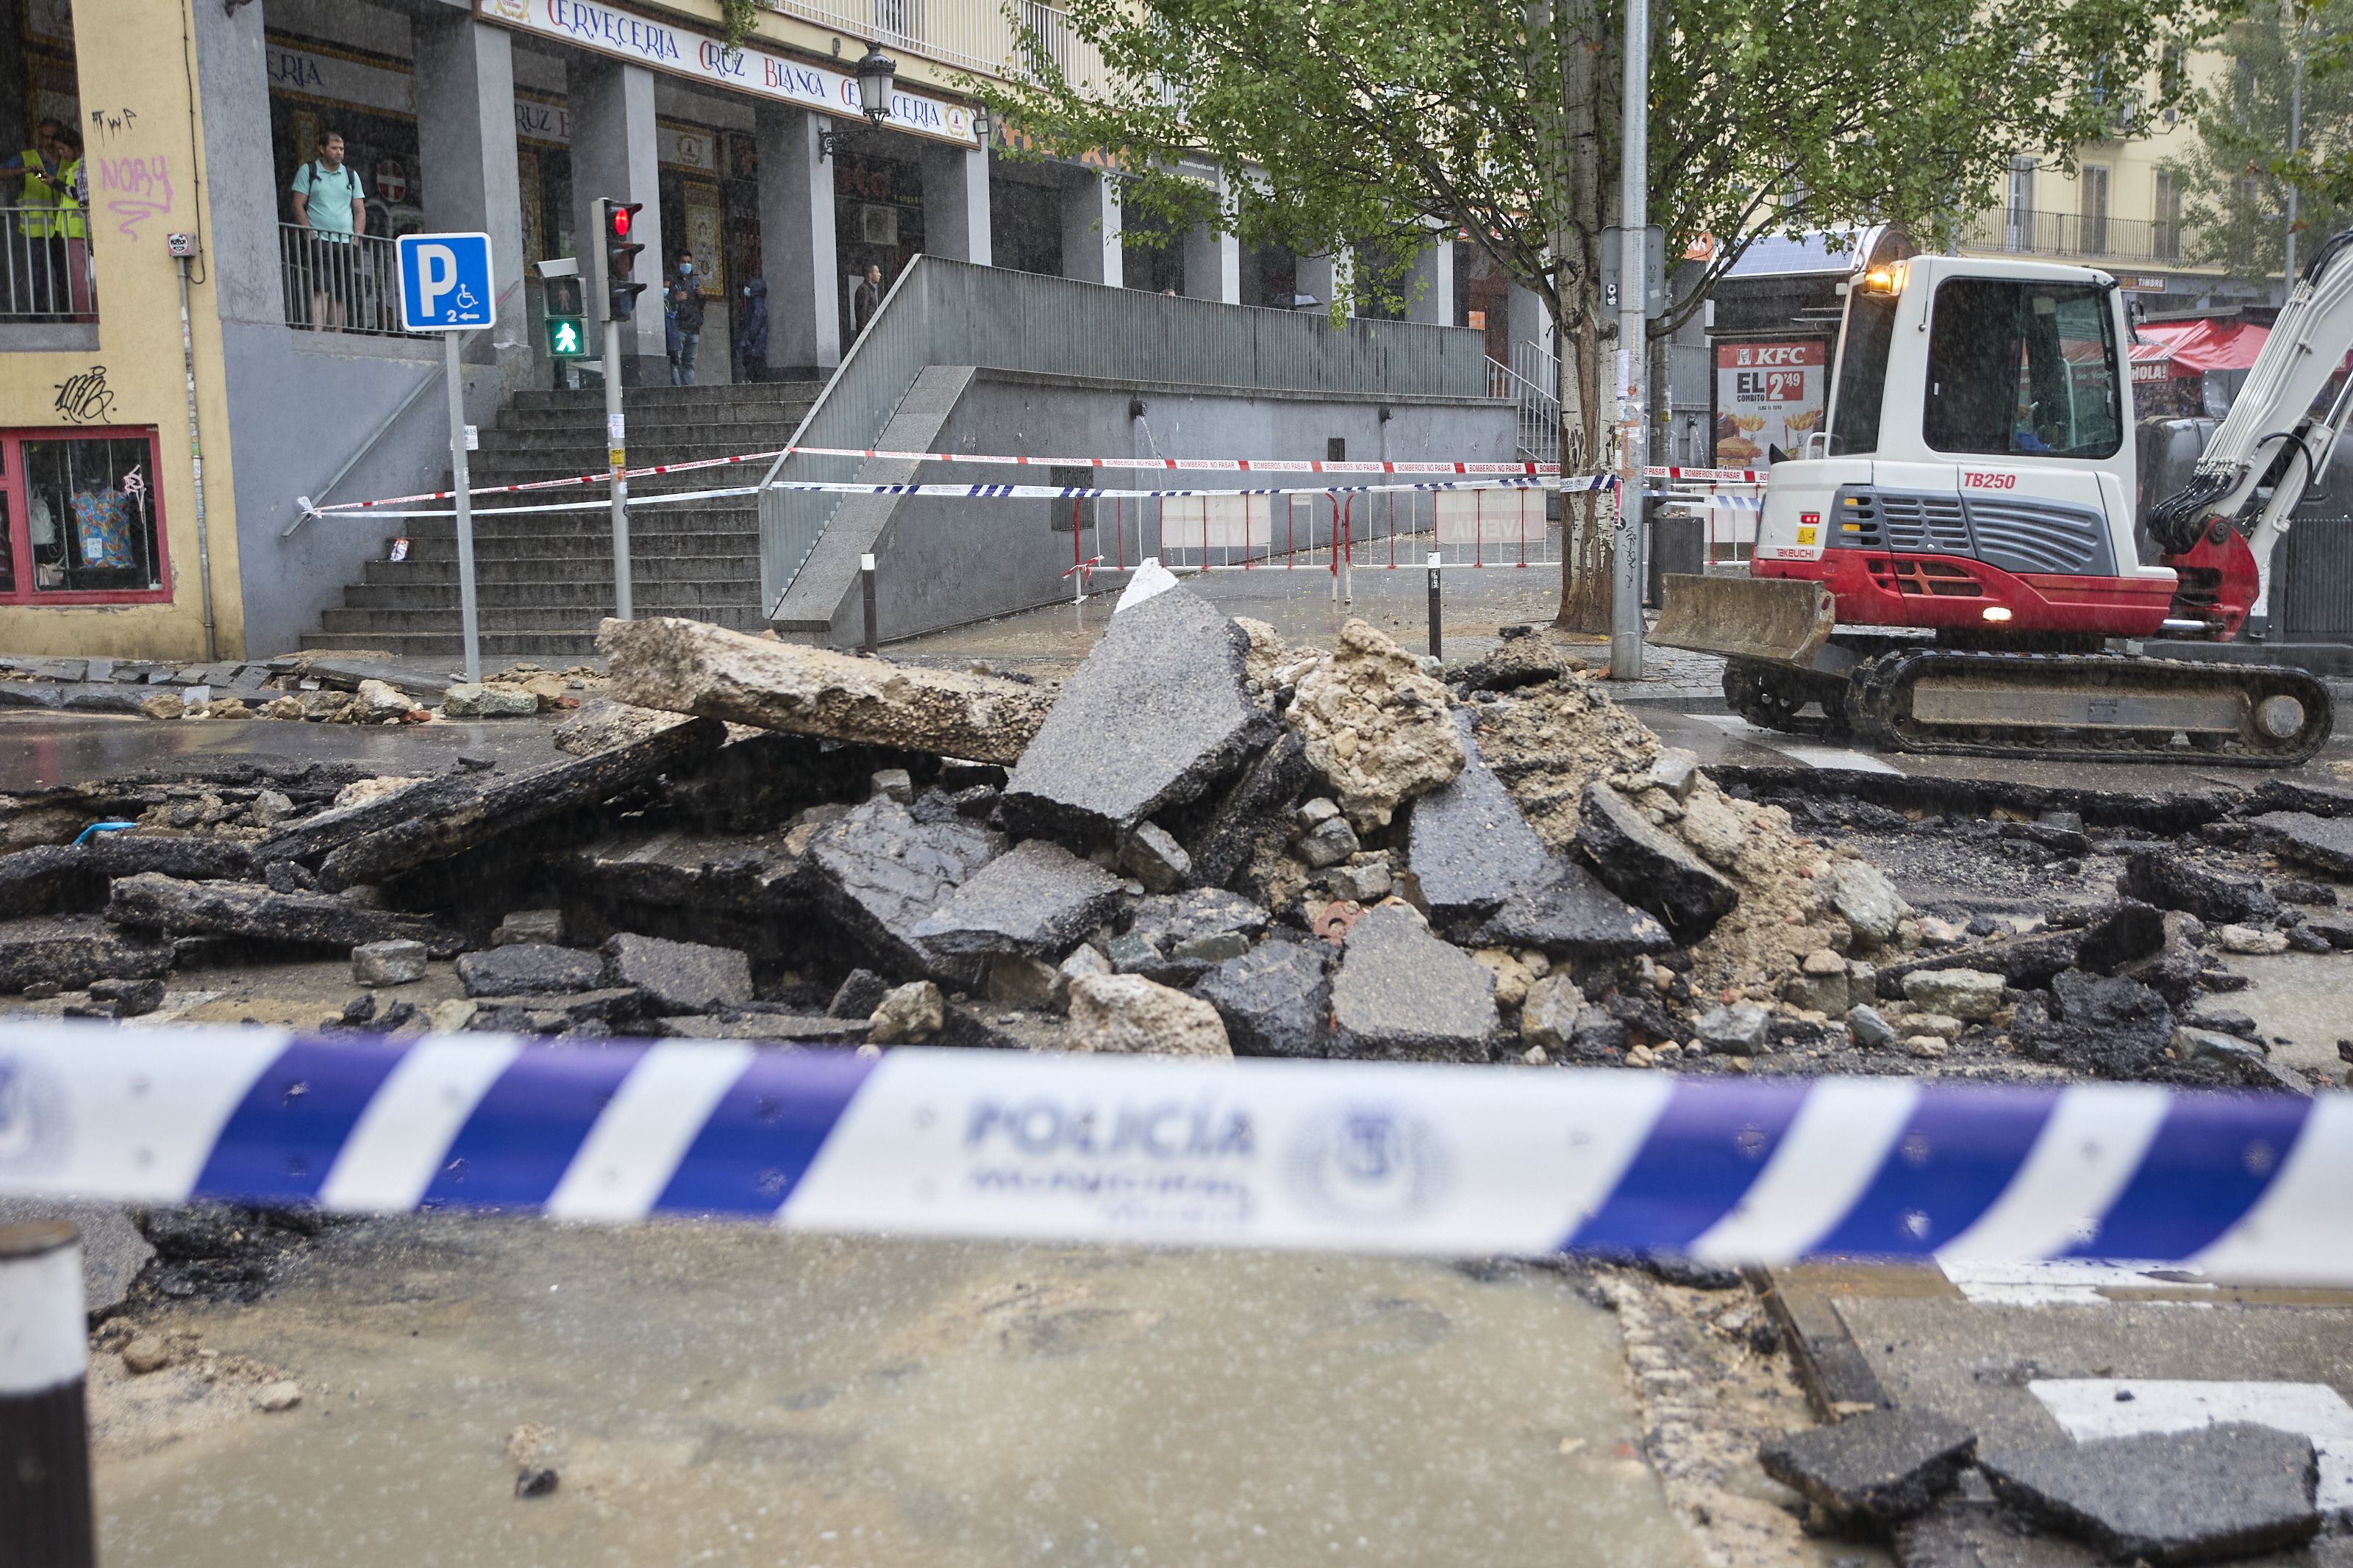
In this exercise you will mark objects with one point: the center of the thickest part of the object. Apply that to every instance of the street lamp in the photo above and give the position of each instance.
(877, 73)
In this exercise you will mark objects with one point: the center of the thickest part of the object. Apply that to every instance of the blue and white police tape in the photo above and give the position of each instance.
(1363, 1157)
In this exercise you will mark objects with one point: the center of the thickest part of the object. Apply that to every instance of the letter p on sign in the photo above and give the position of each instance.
(445, 282)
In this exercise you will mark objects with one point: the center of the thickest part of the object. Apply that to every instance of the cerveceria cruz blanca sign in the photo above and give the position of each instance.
(661, 46)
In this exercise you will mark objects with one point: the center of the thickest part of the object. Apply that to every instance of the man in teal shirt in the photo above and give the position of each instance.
(330, 202)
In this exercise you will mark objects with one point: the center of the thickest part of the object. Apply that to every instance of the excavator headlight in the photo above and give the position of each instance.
(1997, 613)
(1882, 280)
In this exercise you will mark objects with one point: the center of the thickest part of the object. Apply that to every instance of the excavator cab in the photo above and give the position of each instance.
(1947, 574)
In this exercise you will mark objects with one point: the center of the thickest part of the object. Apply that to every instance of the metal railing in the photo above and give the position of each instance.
(2092, 237)
(340, 283)
(975, 35)
(45, 274)
(1532, 379)
(943, 312)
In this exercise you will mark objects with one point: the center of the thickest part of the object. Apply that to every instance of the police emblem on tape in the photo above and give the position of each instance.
(33, 1116)
(1367, 1164)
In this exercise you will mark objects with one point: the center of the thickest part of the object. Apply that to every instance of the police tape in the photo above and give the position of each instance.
(1381, 467)
(1359, 1157)
(1574, 485)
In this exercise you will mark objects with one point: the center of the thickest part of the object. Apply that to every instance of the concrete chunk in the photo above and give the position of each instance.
(1276, 1000)
(1565, 911)
(1469, 844)
(70, 950)
(152, 901)
(678, 976)
(1870, 1472)
(1169, 920)
(879, 872)
(689, 667)
(2170, 1497)
(393, 963)
(2163, 877)
(1402, 994)
(1157, 714)
(1648, 867)
(529, 969)
(2323, 843)
(1037, 899)
(1131, 1016)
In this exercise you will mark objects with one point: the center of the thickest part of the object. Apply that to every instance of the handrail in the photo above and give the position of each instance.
(942, 312)
(303, 504)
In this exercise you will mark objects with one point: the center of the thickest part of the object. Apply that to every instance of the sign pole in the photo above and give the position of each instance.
(1634, 305)
(469, 618)
(617, 453)
(44, 1422)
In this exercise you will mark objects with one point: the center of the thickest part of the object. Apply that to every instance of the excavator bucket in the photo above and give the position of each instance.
(1781, 620)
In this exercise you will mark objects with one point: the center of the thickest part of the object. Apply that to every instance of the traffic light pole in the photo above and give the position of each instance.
(617, 453)
(1633, 302)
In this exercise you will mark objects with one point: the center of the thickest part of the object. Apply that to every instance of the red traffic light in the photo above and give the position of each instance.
(619, 216)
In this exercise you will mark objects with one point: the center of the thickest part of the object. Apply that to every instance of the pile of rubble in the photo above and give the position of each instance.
(321, 687)
(1205, 842)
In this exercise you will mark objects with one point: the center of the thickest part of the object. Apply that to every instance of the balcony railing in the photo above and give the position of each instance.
(2076, 235)
(975, 36)
(45, 271)
(340, 282)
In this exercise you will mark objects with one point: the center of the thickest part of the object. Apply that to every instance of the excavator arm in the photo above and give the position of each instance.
(2272, 435)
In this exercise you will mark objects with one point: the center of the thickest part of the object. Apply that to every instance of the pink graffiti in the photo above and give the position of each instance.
(144, 185)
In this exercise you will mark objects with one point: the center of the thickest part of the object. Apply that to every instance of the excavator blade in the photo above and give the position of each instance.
(1775, 620)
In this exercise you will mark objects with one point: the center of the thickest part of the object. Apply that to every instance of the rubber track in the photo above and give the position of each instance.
(1880, 683)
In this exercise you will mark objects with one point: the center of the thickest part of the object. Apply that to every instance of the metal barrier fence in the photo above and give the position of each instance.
(45, 274)
(1728, 509)
(1332, 531)
(340, 282)
(953, 313)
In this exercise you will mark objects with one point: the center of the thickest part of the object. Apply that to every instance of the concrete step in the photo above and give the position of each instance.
(488, 574)
(499, 648)
(580, 614)
(753, 401)
(671, 595)
(591, 529)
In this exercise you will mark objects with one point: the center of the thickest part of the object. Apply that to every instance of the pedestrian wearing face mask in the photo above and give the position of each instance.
(752, 338)
(685, 303)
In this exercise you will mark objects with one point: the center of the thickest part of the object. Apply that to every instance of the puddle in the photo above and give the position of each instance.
(723, 1395)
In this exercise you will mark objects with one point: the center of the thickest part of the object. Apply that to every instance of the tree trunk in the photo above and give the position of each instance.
(1585, 551)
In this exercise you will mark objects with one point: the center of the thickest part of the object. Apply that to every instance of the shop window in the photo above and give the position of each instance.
(82, 520)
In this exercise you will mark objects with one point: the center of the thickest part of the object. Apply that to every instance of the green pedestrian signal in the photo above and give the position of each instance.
(565, 338)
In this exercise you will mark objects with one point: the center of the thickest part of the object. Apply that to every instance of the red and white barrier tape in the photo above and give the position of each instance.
(1164, 465)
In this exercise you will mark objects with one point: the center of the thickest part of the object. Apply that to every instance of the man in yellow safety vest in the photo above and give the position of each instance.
(33, 268)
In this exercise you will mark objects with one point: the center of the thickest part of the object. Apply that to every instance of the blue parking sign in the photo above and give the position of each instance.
(445, 282)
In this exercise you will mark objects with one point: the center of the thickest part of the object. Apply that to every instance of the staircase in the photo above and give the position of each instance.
(543, 579)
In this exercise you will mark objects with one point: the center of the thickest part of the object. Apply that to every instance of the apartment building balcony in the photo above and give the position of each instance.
(2076, 236)
(981, 38)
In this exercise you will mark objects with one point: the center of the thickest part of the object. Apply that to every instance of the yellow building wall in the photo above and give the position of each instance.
(146, 180)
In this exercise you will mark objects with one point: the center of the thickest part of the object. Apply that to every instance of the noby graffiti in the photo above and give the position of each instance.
(135, 189)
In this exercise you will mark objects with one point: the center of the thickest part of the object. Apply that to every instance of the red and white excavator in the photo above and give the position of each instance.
(1952, 565)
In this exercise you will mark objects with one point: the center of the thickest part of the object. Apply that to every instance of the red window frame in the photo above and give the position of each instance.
(18, 517)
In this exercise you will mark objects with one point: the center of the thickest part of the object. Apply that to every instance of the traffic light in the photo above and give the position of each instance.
(621, 260)
(568, 328)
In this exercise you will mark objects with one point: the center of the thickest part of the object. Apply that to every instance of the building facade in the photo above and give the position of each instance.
(202, 117)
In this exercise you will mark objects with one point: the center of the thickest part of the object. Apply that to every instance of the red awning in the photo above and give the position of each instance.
(2195, 347)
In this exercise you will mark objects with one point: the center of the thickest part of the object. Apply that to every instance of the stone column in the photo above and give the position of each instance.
(613, 155)
(1529, 321)
(1092, 250)
(465, 145)
(1213, 265)
(797, 256)
(1431, 284)
(955, 204)
(1324, 277)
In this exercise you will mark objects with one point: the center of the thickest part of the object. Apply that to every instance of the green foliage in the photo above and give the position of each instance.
(1348, 122)
(2238, 176)
(737, 18)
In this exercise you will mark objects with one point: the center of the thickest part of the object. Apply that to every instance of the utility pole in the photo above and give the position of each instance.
(617, 221)
(1634, 368)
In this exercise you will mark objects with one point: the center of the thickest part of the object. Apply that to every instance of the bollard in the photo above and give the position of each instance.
(44, 1514)
(866, 587)
(1436, 561)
